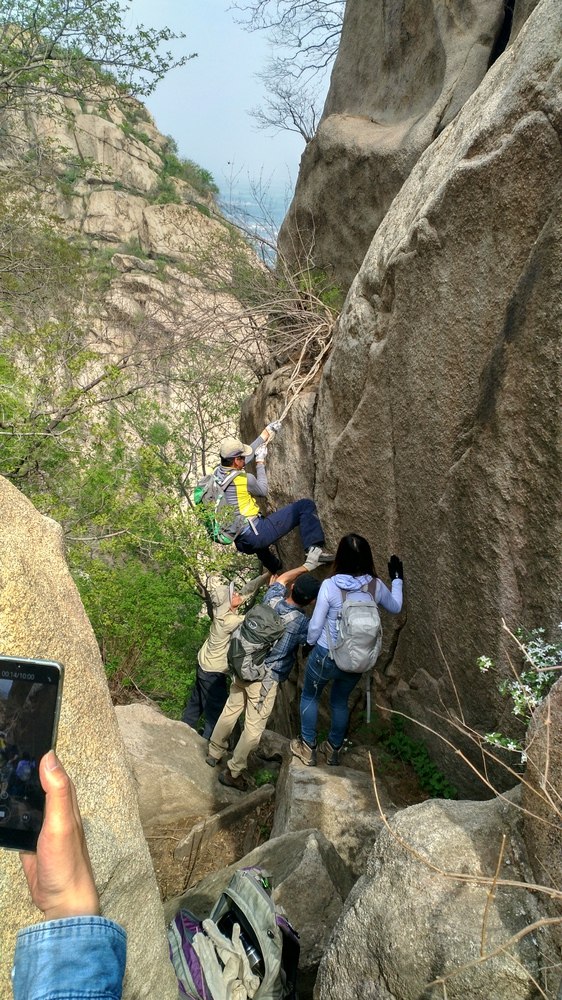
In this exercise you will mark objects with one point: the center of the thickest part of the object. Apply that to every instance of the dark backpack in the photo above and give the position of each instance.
(270, 943)
(209, 494)
(252, 641)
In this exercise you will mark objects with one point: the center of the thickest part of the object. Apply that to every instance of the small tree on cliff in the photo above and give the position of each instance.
(306, 36)
(64, 47)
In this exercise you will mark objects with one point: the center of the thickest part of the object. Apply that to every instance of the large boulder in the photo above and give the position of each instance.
(403, 71)
(41, 615)
(542, 819)
(436, 429)
(310, 884)
(107, 214)
(167, 760)
(339, 801)
(425, 909)
(181, 231)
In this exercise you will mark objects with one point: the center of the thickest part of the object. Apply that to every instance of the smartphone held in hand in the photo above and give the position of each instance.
(30, 696)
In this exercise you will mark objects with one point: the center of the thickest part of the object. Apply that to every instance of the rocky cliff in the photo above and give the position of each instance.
(41, 615)
(158, 254)
(402, 73)
(435, 428)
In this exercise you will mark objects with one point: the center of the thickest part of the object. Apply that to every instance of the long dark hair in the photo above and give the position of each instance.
(354, 557)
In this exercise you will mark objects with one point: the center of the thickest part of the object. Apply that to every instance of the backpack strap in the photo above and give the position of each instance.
(241, 521)
(343, 594)
(290, 615)
(227, 479)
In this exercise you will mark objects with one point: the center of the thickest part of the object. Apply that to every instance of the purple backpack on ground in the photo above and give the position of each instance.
(271, 945)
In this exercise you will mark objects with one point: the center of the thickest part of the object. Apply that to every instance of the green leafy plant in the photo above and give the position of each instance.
(414, 752)
(186, 170)
(528, 688)
(146, 620)
(264, 777)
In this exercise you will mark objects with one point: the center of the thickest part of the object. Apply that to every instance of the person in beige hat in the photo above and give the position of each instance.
(210, 691)
(252, 532)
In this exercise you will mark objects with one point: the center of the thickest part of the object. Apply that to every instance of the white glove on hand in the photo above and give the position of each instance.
(261, 453)
(274, 427)
(251, 982)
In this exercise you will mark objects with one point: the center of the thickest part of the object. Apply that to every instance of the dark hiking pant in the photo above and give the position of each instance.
(301, 514)
(208, 699)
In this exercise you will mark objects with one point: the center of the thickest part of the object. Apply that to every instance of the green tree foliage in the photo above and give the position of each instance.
(186, 170)
(112, 450)
(65, 47)
(147, 622)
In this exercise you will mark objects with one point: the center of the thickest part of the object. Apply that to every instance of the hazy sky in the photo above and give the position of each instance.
(204, 105)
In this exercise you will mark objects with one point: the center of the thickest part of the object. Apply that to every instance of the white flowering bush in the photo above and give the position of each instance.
(527, 689)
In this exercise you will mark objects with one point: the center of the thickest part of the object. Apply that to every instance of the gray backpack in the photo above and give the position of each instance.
(359, 632)
(252, 641)
(270, 943)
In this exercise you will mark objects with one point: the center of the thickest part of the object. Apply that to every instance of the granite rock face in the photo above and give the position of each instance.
(167, 760)
(338, 801)
(402, 73)
(542, 824)
(409, 921)
(436, 431)
(41, 615)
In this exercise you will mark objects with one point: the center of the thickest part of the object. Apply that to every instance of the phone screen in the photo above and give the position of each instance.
(30, 694)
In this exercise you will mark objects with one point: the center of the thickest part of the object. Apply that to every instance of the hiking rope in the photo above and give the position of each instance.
(298, 382)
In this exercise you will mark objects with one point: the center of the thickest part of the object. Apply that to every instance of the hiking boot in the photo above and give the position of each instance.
(274, 564)
(238, 781)
(316, 557)
(332, 754)
(306, 753)
(212, 761)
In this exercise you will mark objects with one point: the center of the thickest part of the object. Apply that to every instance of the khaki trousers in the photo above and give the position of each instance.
(243, 697)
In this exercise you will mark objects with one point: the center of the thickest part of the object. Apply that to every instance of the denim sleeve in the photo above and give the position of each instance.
(70, 959)
(275, 590)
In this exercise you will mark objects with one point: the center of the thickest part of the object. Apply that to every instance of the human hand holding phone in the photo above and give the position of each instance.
(59, 874)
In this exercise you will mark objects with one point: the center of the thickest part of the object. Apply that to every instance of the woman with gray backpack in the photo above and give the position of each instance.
(346, 633)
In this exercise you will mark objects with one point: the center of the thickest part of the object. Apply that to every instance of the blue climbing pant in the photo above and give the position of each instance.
(301, 514)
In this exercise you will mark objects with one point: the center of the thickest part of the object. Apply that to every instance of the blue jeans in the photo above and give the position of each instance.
(320, 669)
(208, 698)
(301, 514)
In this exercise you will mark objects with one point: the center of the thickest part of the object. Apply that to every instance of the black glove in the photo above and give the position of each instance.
(395, 568)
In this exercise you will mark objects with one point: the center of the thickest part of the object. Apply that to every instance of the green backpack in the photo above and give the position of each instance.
(209, 495)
